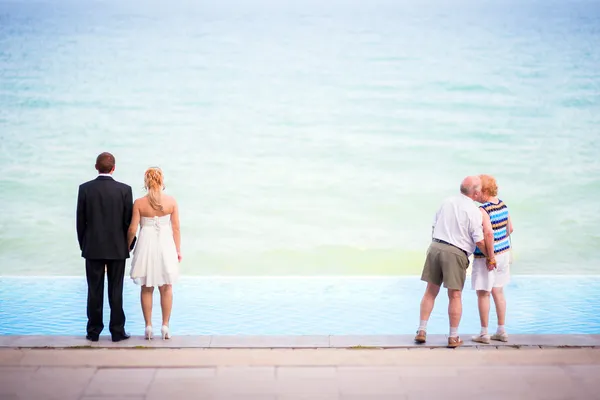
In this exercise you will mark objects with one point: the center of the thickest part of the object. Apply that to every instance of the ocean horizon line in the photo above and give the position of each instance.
(349, 277)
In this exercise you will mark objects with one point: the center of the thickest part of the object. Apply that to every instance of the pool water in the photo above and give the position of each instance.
(301, 305)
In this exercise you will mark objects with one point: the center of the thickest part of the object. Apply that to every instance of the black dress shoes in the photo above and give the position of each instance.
(118, 338)
(115, 338)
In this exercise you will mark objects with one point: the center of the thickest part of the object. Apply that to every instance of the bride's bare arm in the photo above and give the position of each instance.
(135, 220)
(176, 228)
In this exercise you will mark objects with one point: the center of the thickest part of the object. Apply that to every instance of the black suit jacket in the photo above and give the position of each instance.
(104, 208)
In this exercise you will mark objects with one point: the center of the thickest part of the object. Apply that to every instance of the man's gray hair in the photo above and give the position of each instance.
(467, 189)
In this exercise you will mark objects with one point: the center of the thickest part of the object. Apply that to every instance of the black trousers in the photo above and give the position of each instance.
(115, 271)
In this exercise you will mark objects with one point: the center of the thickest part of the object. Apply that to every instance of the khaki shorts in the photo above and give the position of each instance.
(445, 264)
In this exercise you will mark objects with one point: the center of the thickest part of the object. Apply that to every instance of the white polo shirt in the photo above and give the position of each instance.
(459, 222)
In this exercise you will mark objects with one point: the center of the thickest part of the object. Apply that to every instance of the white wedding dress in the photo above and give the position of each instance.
(155, 260)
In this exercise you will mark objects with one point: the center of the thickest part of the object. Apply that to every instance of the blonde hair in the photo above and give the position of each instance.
(154, 184)
(489, 186)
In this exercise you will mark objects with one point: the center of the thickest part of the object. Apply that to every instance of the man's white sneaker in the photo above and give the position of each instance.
(482, 339)
(502, 337)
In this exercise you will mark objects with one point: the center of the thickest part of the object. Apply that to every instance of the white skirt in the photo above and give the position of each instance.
(483, 279)
(155, 260)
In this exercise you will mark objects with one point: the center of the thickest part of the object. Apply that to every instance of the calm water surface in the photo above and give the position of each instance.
(315, 138)
(302, 306)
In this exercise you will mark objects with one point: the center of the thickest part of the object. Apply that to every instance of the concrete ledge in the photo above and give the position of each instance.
(294, 342)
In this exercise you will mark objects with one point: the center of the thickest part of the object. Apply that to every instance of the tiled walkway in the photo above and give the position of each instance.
(326, 373)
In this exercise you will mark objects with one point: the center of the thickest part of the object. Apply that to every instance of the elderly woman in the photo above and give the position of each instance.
(491, 274)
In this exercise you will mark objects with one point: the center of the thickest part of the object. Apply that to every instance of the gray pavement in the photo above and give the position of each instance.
(302, 373)
(314, 341)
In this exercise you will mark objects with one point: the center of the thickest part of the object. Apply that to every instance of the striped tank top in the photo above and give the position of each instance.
(498, 213)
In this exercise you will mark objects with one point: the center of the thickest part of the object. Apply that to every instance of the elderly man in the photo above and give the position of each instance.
(457, 229)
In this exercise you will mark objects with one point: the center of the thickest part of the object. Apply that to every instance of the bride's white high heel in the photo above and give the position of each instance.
(165, 332)
(148, 333)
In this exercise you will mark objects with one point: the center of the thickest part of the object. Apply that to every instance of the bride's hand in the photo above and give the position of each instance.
(179, 257)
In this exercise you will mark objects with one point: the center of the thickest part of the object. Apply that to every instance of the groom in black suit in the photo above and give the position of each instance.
(104, 208)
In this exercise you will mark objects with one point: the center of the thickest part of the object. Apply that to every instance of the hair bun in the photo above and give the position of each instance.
(154, 183)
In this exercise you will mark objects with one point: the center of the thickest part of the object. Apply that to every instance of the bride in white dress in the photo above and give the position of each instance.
(157, 252)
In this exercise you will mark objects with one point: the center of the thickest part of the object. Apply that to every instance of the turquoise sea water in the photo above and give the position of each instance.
(536, 304)
(313, 138)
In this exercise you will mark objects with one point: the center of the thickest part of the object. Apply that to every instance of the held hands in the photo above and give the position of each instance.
(490, 262)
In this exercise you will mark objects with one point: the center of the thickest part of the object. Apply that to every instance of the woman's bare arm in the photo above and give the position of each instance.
(133, 226)
(488, 234)
(176, 228)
